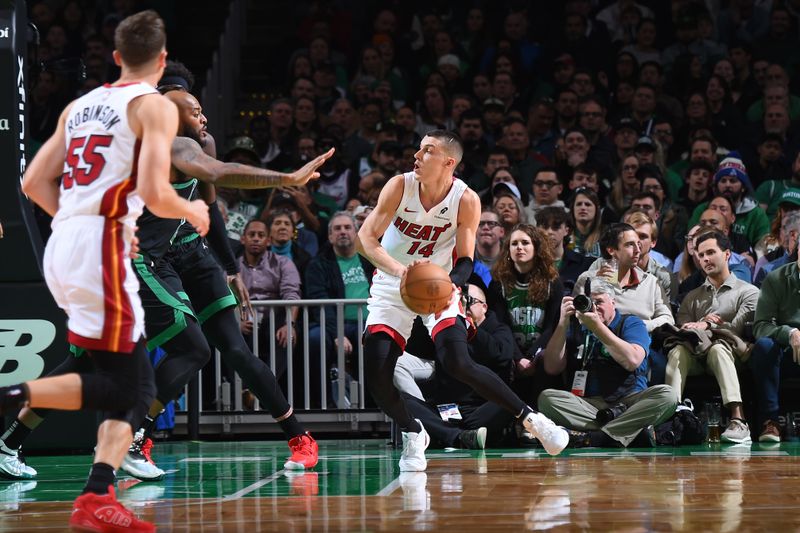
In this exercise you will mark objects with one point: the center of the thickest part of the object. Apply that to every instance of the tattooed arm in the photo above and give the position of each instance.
(188, 158)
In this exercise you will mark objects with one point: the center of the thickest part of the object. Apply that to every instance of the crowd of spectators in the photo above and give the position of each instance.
(623, 140)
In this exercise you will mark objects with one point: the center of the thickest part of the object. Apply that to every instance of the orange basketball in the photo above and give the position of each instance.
(426, 288)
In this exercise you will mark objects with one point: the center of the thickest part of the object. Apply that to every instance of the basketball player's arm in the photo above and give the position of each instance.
(41, 180)
(207, 190)
(374, 226)
(155, 120)
(188, 157)
(469, 215)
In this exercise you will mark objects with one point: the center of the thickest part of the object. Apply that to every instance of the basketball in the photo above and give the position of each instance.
(426, 288)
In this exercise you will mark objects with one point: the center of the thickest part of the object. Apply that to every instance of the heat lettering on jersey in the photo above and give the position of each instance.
(422, 233)
(415, 231)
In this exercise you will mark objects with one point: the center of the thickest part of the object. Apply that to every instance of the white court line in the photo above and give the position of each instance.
(225, 459)
(390, 488)
(254, 486)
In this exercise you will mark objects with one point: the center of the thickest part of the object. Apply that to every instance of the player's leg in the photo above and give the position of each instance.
(450, 338)
(114, 437)
(73, 391)
(207, 287)
(222, 329)
(170, 324)
(389, 325)
(12, 463)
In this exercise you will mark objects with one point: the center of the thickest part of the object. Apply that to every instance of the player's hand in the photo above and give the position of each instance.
(404, 273)
(198, 216)
(242, 296)
(246, 325)
(455, 296)
(134, 253)
(794, 342)
(348, 346)
(309, 170)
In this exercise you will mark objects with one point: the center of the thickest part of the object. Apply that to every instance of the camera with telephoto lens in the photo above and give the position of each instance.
(583, 302)
(604, 416)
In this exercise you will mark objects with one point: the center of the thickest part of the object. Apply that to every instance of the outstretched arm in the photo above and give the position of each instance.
(188, 157)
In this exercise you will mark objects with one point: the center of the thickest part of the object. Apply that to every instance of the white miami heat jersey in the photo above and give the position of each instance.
(102, 152)
(415, 233)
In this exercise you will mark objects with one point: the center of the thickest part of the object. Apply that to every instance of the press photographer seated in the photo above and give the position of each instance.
(605, 355)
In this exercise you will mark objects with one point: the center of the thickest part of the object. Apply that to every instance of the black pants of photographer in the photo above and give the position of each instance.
(489, 415)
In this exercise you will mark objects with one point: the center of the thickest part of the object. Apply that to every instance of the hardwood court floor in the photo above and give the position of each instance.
(240, 486)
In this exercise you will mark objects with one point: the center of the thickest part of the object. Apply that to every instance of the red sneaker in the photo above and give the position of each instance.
(102, 513)
(147, 447)
(305, 453)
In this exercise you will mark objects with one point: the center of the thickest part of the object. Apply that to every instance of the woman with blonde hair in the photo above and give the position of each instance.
(510, 208)
(526, 293)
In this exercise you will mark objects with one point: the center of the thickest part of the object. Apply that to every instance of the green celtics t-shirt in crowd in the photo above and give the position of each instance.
(356, 285)
(526, 318)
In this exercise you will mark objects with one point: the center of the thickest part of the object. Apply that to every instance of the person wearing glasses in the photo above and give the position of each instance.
(490, 237)
(526, 293)
(546, 191)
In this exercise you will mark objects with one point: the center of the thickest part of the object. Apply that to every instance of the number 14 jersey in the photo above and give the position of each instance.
(101, 154)
(415, 233)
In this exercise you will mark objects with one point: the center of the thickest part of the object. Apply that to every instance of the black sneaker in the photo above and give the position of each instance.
(579, 439)
(473, 439)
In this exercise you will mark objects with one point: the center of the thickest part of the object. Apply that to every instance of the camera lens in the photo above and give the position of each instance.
(604, 416)
(582, 303)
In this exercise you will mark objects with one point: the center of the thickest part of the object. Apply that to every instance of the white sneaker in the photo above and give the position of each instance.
(414, 445)
(138, 462)
(553, 438)
(737, 431)
(12, 466)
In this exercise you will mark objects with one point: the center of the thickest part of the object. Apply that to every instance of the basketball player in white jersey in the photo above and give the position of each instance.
(111, 154)
(429, 215)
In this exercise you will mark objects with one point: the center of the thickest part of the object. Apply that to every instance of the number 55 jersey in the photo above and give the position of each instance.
(86, 262)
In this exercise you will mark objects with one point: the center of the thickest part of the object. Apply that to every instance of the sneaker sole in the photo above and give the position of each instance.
(139, 475)
(770, 438)
(21, 477)
(746, 440)
(293, 465)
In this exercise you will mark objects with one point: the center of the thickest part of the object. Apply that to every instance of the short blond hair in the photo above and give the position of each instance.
(640, 218)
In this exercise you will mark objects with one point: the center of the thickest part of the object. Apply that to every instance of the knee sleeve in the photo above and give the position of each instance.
(114, 386)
